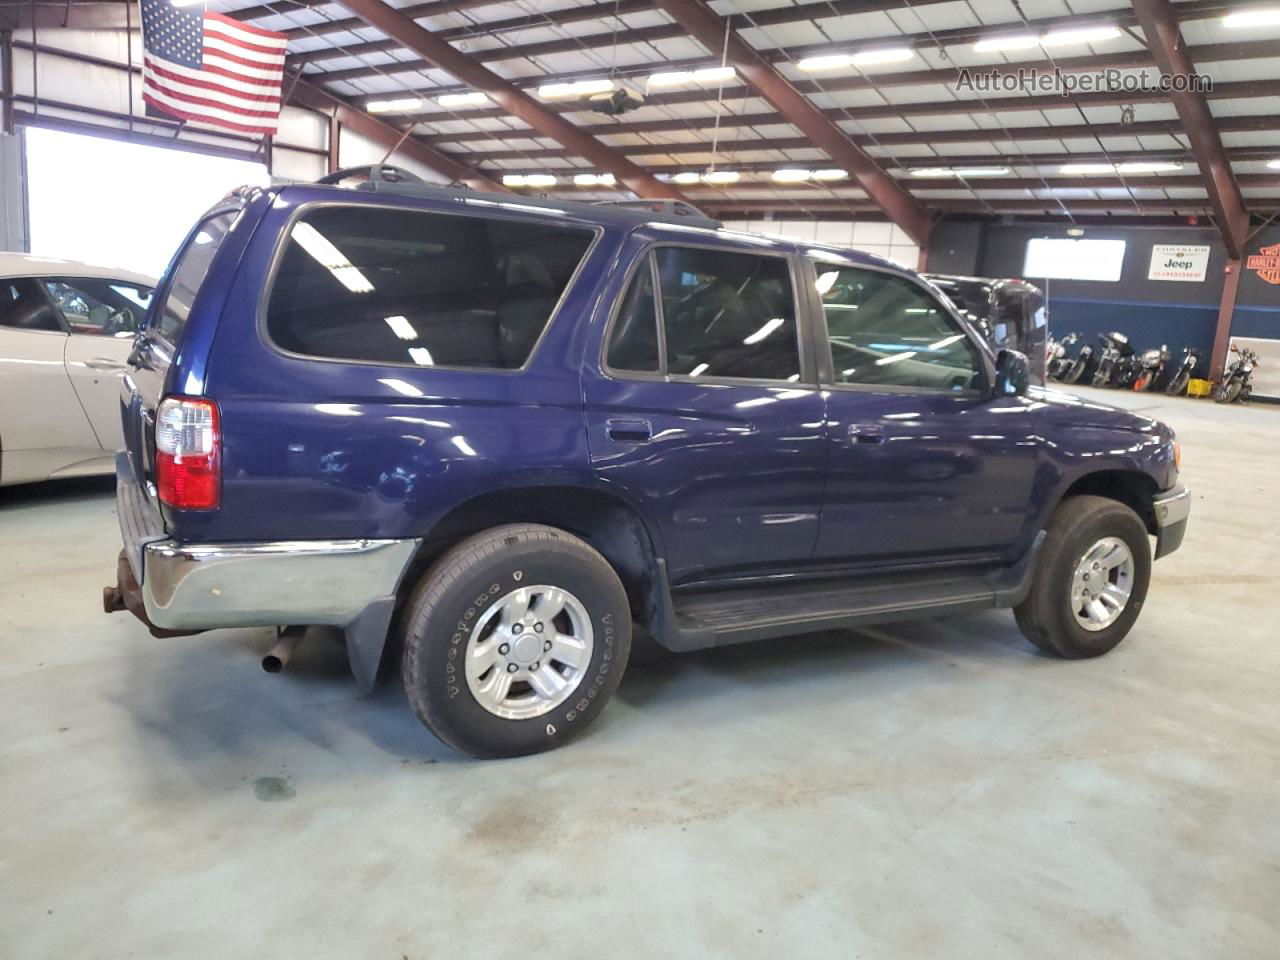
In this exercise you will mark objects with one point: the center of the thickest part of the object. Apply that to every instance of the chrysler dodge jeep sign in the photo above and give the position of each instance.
(1171, 262)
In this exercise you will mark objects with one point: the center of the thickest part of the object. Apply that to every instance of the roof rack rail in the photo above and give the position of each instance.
(372, 175)
(674, 208)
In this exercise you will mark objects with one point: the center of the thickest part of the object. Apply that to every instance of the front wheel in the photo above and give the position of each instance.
(1227, 392)
(515, 640)
(1178, 385)
(1074, 372)
(1090, 581)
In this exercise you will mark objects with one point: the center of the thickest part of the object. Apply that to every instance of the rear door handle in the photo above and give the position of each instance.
(861, 433)
(629, 431)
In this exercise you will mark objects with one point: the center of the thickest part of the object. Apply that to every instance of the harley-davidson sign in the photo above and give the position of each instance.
(1267, 263)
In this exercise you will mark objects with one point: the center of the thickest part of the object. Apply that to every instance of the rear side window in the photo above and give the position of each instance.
(410, 287)
(24, 307)
(189, 272)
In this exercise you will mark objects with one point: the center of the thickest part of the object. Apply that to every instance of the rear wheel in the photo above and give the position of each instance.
(1091, 579)
(1227, 392)
(1074, 372)
(1178, 385)
(1143, 382)
(515, 640)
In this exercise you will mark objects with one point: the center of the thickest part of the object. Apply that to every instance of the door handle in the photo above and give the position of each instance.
(861, 433)
(629, 431)
(104, 363)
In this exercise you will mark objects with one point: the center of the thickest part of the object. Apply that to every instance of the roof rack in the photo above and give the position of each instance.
(672, 208)
(373, 175)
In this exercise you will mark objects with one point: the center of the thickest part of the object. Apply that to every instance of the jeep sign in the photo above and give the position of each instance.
(1185, 264)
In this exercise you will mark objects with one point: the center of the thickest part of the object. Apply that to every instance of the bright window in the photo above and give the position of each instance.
(121, 204)
(1064, 258)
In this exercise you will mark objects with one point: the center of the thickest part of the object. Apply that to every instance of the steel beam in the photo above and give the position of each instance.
(1164, 40)
(1226, 310)
(707, 27)
(512, 100)
(392, 137)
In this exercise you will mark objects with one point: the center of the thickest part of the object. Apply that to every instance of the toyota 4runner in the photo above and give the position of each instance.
(493, 433)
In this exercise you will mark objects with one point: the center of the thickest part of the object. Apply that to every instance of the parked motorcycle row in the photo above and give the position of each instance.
(1113, 362)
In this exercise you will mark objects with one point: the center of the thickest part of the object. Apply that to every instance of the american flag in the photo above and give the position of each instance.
(204, 66)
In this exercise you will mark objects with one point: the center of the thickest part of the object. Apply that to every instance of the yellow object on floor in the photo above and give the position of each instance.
(1199, 388)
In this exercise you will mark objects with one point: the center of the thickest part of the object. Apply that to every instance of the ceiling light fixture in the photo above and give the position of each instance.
(791, 175)
(1269, 17)
(830, 61)
(883, 55)
(462, 99)
(401, 105)
(1149, 166)
(528, 180)
(832, 174)
(686, 176)
(578, 88)
(1061, 38)
(1273, 164)
(960, 172)
(1087, 168)
(1010, 41)
(722, 176)
(594, 179)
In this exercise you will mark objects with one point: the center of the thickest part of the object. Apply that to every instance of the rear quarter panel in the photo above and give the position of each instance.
(324, 449)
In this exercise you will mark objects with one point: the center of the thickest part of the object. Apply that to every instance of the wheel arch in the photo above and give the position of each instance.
(1133, 488)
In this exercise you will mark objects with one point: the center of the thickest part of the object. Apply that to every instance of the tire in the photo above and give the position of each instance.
(1142, 383)
(1178, 385)
(1047, 617)
(1227, 392)
(460, 604)
(1074, 373)
(1100, 378)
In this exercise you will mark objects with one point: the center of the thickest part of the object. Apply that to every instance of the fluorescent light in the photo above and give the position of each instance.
(1148, 166)
(579, 88)
(905, 355)
(594, 179)
(330, 257)
(1060, 38)
(462, 99)
(714, 74)
(1270, 17)
(1087, 168)
(791, 175)
(1009, 41)
(833, 61)
(699, 370)
(883, 55)
(401, 327)
(764, 331)
(672, 79)
(528, 180)
(827, 280)
(722, 176)
(1273, 164)
(832, 174)
(686, 176)
(421, 356)
(960, 172)
(463, 446)
(401, 387)
(400, 105)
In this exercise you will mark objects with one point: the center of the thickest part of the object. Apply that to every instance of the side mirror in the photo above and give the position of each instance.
(1013, 373)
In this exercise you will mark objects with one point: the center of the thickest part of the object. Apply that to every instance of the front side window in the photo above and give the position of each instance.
(411, 287)
(189, 273)
(886, 330)
(728, 314)
(99, 307)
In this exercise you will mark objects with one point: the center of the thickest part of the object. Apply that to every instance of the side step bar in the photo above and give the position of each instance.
(738, 615)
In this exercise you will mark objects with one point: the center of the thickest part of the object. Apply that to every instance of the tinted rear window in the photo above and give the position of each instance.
(410, 287)
(189, 272)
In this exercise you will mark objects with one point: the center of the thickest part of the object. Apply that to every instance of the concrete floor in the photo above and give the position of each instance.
(933, 789)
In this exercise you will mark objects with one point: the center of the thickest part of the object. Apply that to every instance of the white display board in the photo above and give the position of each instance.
(1181, 264)
(1069, 258)
(121, 204)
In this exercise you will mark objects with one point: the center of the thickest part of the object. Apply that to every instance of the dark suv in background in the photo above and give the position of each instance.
(499, 431)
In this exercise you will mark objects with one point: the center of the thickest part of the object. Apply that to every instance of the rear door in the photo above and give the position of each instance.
(703, 411)
(103, 317)
(924, 463)
(42, 427)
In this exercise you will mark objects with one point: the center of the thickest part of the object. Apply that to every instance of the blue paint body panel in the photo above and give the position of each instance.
(740, 479)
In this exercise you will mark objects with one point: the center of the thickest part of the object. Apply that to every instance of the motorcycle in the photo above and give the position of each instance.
(1151, 368)
(1057, 361)
(1075, 370)
(1186, 370)
(1235, 383)
(1114, 367)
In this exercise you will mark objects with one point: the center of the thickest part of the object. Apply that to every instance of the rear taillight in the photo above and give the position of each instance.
(188, 462)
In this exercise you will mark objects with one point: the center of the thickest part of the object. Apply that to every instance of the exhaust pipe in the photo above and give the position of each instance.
(278, 656)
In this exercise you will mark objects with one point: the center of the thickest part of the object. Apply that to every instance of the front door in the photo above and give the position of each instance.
(702, 411)
(924, 463)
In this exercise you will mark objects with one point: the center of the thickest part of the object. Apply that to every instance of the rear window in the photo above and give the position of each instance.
(189, 272)
(411, 287)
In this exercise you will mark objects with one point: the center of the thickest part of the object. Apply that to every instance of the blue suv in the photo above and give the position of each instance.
(494, 433)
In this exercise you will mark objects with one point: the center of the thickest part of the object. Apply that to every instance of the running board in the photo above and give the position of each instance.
(721, 617)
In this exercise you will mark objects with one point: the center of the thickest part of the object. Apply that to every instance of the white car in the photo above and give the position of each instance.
(66, 329)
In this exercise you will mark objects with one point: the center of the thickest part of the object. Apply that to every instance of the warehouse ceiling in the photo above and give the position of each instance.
(887, 74)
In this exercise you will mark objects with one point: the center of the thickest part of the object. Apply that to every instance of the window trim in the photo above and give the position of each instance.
(827, 362)
(160, 294)
(808, 371)
(280, 242)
